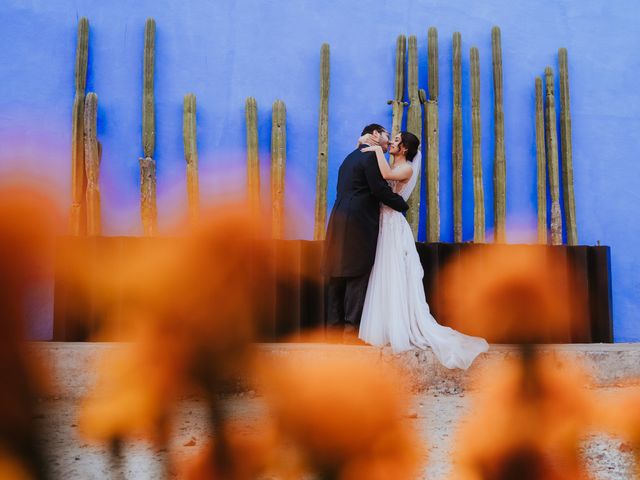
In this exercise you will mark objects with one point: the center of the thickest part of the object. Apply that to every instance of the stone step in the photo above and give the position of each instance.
(609, 365)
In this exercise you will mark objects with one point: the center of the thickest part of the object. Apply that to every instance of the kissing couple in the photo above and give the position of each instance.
(375, 291)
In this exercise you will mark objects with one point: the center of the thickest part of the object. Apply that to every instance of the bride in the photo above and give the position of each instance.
(395, 311)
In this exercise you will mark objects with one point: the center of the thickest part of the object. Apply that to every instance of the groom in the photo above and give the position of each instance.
(352, 233)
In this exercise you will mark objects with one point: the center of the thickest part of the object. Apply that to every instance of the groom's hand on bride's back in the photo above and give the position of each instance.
(379, 186)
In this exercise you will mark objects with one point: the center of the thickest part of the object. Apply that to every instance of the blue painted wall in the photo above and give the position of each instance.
(226, 50)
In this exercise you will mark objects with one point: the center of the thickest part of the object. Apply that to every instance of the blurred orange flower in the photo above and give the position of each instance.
(27, 229)
(618, 413)
(134, 397)
(511, 294)
(249, 453)
(527, 424)
(188, 307)
(11, 469)
(345, 416)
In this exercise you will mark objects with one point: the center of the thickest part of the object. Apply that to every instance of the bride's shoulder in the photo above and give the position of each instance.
(405, 168)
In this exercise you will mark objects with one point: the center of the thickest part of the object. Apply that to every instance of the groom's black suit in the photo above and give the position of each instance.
(352, 235)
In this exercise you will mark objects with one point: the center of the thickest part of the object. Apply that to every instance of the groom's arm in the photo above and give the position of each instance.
(380, 188)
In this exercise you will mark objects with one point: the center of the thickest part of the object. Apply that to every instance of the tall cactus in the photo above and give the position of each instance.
(191, 156)
(433, 75)
(414, 125)
(432, 136)
(456, 145)
(319, 229)
(567, 155)
(499, 160)
(149, 211)
(253, 161)
(541, 167)
(92, 155)
(78, 179)
(414, 114)
(552, 157)
(278, 164)
(398, 103)
(476, 134)
(148, 100)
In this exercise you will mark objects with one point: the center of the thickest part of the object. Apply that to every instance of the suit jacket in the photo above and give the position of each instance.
(352, 233)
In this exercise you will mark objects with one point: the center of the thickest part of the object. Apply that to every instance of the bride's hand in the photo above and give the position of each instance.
(373, 148)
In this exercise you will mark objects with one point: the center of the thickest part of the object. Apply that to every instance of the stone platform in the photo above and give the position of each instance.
(609, 365)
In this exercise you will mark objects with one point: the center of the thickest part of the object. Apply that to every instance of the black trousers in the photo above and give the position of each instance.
(345, 299)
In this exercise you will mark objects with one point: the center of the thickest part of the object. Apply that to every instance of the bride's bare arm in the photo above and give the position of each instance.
(401, 173)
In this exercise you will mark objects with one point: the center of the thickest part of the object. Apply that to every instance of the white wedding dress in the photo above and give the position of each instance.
(396, 312)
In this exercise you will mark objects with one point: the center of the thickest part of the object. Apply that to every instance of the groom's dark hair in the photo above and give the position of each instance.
(374, 127)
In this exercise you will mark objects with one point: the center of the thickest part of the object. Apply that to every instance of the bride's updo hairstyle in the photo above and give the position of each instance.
(411, 143)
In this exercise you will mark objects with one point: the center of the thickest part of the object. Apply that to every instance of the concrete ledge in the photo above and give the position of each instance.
(70, 364)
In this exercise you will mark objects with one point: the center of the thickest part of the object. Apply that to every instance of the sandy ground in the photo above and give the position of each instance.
(435, 415)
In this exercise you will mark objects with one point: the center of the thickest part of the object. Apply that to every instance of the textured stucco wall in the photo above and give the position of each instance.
(226, 50)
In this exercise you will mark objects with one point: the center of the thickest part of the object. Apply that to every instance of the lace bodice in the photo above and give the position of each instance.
(401, 188)
(405, 189)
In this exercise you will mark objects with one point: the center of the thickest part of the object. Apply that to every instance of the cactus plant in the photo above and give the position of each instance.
(147, 164)
(78, 179)
(92, 155)
(148, 208)
(432, 136)
(191, 156)
(278, 164)
(414, 125)
(456, 145)
(398, 103)
(499, 161)
(414, 114)
(148, 101)
(567, 155)
(476, 134)
(319, 229)
(253, 161)
(541, 167)
(432, 46)
(552, 158)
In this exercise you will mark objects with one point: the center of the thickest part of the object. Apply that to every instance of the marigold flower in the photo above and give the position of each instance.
(527, 423)
(345, 416)
(512, 294)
